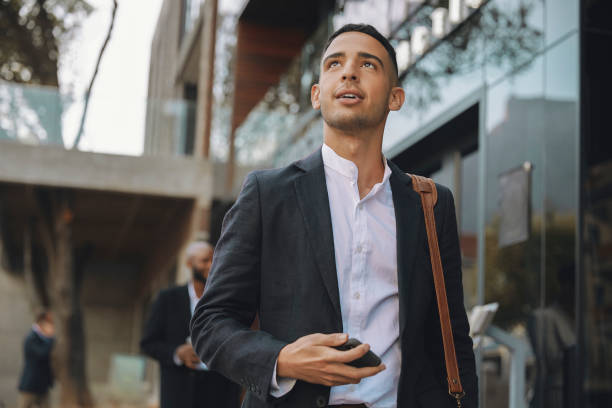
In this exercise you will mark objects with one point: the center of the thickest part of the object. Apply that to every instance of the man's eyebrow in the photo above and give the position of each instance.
(334, 55)
(361, 54)
(367, 55)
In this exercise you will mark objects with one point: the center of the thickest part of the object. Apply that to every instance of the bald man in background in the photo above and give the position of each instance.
(185, 380)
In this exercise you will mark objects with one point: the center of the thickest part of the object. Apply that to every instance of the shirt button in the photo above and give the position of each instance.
(356, 295)
(359, 248)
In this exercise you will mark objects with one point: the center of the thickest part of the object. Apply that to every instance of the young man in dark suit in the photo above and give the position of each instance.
(334, 246)
(185, 381)
(37, 377)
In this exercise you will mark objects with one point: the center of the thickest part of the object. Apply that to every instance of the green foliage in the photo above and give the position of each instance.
(32, 32)
(514, 274)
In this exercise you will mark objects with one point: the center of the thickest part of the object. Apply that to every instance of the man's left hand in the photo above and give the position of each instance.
(186, 354)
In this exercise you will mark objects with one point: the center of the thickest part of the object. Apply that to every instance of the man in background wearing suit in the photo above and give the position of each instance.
(334, 246)
(37, 377)
(185, 381)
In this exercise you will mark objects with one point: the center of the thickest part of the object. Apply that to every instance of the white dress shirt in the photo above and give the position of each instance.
(193, 297)
(193, 302)
(366, 263)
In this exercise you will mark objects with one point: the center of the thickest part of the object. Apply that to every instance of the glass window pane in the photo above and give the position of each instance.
(532, 127)
(561, 18)
(515, 132)
(442, 79)
(554, 334)
(468, 226)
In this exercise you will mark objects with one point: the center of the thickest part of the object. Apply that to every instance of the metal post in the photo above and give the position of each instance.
(520, 350)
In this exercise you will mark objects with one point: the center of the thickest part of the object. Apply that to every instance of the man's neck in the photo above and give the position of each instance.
(198, 287)
(363, 150)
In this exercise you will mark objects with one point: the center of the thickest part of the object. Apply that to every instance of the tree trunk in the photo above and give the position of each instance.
(65, 285)
(30, 282)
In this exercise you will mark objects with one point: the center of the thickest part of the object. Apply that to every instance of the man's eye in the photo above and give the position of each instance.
(368, 65)
(333, 64)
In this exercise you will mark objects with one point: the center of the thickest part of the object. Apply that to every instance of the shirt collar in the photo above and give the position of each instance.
(346, 167)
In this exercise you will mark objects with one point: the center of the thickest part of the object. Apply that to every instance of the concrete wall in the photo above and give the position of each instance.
(159, 126)
(15, 322)
(113, 320)
(109, 309)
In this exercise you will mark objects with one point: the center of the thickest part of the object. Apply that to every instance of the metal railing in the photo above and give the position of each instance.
(42, 115)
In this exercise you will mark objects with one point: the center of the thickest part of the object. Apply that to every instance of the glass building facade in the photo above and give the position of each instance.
(506, 105)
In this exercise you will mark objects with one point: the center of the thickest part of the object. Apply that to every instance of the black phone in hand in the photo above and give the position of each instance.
(369, 359)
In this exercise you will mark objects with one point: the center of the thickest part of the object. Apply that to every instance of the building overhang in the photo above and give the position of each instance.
(53, 166)
(305, 15)
(271, 33)
(137, 211)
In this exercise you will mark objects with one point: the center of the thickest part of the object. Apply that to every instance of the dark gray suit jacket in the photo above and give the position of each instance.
(167, 328)
(276, 258)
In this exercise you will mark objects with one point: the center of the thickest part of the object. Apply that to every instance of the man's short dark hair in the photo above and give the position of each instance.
(372, 32)
(41, 315)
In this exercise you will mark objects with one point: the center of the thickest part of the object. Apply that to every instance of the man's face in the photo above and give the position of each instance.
(201, 262)
(355, 89)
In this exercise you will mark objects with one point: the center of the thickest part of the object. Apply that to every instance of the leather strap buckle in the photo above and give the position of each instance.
(458, 396)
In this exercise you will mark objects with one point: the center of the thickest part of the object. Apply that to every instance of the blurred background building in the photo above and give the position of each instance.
(505, 105)
(94, 236)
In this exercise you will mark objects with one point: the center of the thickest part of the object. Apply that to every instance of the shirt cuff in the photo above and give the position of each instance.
(176, 359)
(281, 385)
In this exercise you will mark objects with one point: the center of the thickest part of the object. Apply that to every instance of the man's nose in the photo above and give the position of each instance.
(349, 72)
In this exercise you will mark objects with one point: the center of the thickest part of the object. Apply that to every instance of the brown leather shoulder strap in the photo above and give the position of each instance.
(429, 196)
(424, 185)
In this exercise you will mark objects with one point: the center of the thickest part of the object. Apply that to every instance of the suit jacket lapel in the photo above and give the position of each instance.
(311, 190)
(184, 306)
(409, 221)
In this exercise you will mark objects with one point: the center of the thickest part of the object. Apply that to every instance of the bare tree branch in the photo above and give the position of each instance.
(93, 78)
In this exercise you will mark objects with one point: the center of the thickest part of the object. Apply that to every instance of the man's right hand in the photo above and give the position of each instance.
(313, 359)
(187, 355)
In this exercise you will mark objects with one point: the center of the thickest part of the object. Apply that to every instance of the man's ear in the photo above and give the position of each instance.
(396, 98)
(315, 91)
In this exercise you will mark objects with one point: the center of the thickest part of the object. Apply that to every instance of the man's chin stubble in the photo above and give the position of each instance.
(347, 124)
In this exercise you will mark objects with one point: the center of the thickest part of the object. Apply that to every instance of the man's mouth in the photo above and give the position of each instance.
(349, 94)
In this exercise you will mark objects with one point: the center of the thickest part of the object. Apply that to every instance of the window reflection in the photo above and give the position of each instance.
(502, 35)
(468, 227)
(532, 117)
